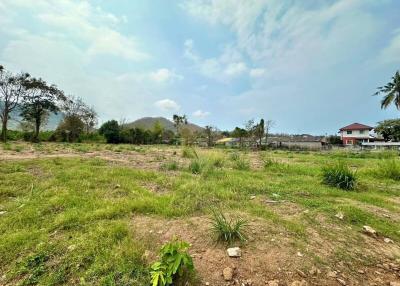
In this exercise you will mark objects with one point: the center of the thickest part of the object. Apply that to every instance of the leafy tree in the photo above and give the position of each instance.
(179, 120)
(239, 133)
(70, 128)
(157, 131)
(77, 107)
(267, 129)
(391, 92)
(389, 129)
(40, 100)
(111, 131)
(209, 132)
(259, 132)
(11, 90)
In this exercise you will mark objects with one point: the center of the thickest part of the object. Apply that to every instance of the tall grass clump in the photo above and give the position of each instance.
(169, 166)
(242, 164)
(195, 167)
(228, 230)
(190, 153)
(389, 169)
(339, 176)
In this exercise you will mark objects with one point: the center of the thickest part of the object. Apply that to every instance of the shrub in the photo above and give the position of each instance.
(389, 169)
(269, 162)
(174, 265)
(234, 156)
(228, 230)
(195, 167)
(339, 176)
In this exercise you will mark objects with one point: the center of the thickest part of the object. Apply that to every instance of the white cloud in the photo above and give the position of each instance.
(87, 24)
(391, 54)
(257, 72)
(286, 37)
(167, 105)
(235, 69)
(164, 75)
(201, 114)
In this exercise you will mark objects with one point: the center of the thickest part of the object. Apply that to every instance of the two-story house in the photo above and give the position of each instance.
(355, 133)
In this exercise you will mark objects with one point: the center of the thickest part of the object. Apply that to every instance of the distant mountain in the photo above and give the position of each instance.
(148, 123)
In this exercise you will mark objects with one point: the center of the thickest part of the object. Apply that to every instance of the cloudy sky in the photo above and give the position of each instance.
(311, 66)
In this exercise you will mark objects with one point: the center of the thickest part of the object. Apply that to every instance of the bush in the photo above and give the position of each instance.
(228, 230)
(110, 130)
(339, 176)
(389, 169)
(195, 167)
(174, 266)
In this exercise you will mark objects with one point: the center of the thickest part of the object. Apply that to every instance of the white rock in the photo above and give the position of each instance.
(393, 283)
(331, 274)
(369, 230)
(252, 197)
(299, 254)
(387, 240)
(339, 215)
(3, 212)
(234, 252)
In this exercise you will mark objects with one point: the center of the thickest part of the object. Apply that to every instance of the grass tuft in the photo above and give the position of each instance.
(339, 176)
(228, 230)
(389, 169)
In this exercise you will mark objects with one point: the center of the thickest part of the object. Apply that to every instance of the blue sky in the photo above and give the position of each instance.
(310, 66)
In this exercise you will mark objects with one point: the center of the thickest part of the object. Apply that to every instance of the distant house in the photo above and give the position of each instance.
(228, 142)
(356, 133)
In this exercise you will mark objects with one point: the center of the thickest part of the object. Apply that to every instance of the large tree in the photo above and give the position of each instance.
(239, 133)
(11, 90)
(389, 129)
(391, 92)
(259, 132)
(40, 100)
(111, 131)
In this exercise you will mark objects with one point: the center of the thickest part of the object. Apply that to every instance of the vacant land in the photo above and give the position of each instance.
(96, 214)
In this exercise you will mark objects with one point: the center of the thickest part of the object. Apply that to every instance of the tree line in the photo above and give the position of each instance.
(34, 100)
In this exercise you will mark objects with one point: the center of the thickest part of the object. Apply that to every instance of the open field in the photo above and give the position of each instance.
(96, 214)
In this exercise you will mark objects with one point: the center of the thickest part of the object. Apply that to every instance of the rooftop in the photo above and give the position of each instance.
(356, 126)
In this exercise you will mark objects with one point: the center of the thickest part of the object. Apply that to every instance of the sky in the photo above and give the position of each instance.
(310, 66)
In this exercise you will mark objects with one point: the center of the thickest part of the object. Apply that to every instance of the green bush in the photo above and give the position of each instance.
(339, 176)
(389, 169)
(195, 166)
(174, 265)
(228, 230)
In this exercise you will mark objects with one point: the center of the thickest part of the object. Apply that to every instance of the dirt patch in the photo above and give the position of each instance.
(268, 255)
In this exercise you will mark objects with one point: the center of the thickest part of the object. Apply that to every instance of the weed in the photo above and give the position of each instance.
(242, 164)
(195, 167)
(339, 176)
(170, 166)
(174, 266)
(190, 153)
(389, 169)
(228, 230)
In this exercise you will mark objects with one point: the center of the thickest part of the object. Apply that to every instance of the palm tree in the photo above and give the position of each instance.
(391, 92)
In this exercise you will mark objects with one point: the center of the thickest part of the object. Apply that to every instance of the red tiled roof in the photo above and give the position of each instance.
(356, 126)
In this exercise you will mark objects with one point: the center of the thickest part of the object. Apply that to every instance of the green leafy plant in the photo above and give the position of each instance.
(339, 176)
(175, 262)
(228, 230)
(242, 164)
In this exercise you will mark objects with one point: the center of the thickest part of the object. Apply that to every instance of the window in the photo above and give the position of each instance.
(349, 142)
(349, 132)
(362, 131)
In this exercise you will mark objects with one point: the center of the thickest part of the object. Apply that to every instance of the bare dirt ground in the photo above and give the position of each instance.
(271, 256)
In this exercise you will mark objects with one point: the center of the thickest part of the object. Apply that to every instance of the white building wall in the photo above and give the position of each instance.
(355, 134)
